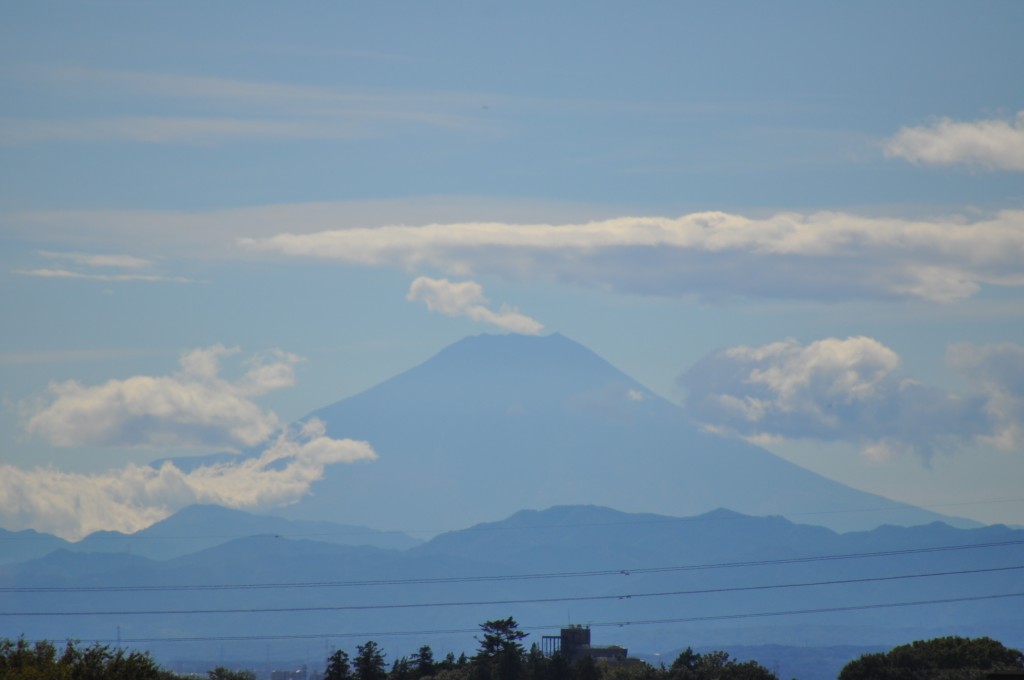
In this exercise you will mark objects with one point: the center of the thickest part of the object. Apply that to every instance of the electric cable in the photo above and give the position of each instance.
(603, 624)
(536, 600)
(626, 571)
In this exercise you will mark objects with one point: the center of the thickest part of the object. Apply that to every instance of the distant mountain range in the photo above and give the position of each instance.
(496, 423)
(651, 582)
(193, 529)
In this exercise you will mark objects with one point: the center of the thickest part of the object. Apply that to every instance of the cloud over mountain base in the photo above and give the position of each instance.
(73, 505)
(849, 390)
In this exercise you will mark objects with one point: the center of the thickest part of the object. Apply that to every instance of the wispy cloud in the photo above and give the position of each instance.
(267, 95)
(72, 504)
(850, 390)
(88, 263)
(194, 407)
(467, 299)
(170, 130)
(823, 255)
(232, 110)
(51, 273)
(99, 259)
(219, 110)
(63, 356)
(206, 234)
(991, 144)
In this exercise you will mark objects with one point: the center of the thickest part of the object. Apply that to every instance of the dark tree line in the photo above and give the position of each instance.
(20, 660)
(502, 655)
(945, 658)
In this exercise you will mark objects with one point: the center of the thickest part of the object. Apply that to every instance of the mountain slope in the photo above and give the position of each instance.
(198, 527)
(493, 424)
(21, 546)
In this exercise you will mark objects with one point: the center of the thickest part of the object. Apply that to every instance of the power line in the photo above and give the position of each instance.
(626, 571)
(536, 600)
(604, 624)
(820, 610)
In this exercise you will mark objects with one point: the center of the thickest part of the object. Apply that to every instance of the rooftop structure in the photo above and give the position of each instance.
(574, 644)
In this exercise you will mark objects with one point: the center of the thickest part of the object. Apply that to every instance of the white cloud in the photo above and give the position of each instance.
(258, 110)
(990, 144)
(847, 370)
(90, 262)
(268, 373)
(881, 451)
(232, 110)
(850, 390)
(466, 298)
(99, 259)
(50, 273)
(73, 505)
(194, 407)
(819, 256)
(170, 130)
(281, 100)
(998, 372)
(213, 233)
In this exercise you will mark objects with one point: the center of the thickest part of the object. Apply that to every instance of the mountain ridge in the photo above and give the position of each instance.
(720, 579)
(194, 528)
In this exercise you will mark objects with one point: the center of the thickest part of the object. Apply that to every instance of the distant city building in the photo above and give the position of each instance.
(574, 644)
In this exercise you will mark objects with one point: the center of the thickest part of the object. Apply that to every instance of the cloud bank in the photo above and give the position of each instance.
(467, 299)
(849, 390)
(193, 407)
(72, 505)
(823, 256)
(989, 144)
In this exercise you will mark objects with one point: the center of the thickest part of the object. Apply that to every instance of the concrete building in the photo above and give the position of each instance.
(574, 644)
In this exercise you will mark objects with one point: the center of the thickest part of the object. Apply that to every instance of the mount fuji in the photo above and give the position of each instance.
(494, 424)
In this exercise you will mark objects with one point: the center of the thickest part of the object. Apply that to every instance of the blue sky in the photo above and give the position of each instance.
(217, 219)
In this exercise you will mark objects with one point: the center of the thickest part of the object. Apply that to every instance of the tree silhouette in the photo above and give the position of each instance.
(500, 656)
(945, 658)
(369, 662)
(690, 665)
(423, 661)
(338, 667)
